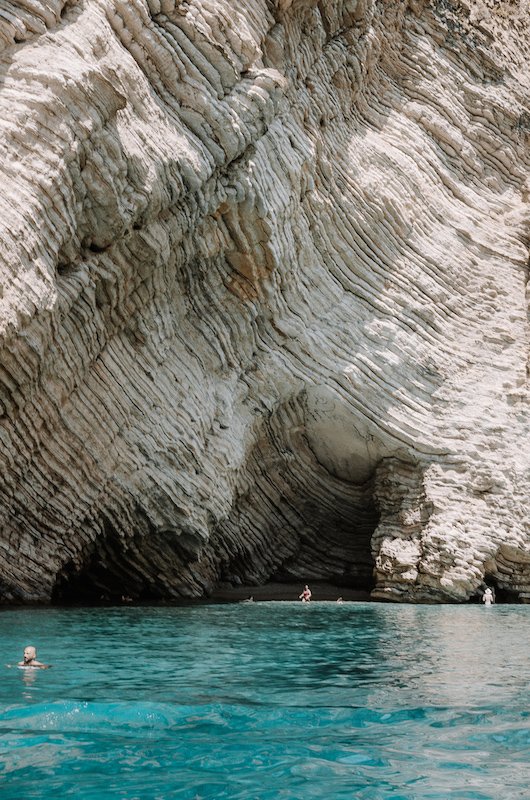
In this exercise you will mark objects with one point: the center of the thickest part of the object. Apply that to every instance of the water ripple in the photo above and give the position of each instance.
(268, 701)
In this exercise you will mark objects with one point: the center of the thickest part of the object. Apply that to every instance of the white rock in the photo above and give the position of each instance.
(262, 310)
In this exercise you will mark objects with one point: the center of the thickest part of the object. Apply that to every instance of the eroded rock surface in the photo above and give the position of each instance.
(263, 309)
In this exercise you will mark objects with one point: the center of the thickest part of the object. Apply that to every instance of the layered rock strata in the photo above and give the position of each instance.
(263, 309)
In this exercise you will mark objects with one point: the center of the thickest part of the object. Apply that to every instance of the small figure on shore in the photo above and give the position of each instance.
(487, 597)
(305, 597)
(249, 599)
(340, 600)
(30, 659)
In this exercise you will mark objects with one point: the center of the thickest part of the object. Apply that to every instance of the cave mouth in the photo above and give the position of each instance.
(334, 546)
(322, 538)
(143, 565)
(502, 595)
(83, 587)
(317, 529)
(304, 510)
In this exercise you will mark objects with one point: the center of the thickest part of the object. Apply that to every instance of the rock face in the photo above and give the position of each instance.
(263, 309)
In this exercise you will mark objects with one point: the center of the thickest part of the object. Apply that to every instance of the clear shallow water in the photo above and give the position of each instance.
(267, 701)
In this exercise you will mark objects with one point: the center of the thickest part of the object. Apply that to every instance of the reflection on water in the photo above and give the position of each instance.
(268, 700)
(29, 677)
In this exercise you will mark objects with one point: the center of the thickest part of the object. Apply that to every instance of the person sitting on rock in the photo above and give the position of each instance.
(487, 597)
(30, 659)
(305, 597)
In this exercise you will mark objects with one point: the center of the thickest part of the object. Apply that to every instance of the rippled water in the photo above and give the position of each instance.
(267, 701)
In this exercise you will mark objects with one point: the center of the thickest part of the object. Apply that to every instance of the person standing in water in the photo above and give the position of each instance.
(305, 597)
(487, 597)
(30, 659)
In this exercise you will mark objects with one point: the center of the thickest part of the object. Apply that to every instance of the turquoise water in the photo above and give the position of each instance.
(267, 701)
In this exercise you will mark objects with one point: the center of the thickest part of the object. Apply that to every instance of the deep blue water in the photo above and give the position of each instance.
(267, 701)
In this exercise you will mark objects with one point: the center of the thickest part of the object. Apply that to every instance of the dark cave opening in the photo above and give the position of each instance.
(326, 543)
(121, 567)
(318, 529)
(85, 586)
(334, 546)
(308, 506)
(93, 583)
(294, 520)
(502, 595)
(143, 569)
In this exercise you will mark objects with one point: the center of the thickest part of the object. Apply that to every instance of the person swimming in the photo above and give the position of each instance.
(30, 659)
(305, 597)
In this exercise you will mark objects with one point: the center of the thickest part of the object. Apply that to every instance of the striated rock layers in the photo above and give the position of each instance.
(263, 308)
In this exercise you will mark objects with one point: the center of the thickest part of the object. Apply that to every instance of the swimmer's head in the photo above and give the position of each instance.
(29, 654)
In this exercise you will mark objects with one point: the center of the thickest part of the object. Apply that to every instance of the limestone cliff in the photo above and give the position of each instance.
(263, 307)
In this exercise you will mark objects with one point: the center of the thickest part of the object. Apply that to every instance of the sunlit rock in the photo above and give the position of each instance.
(263, 307)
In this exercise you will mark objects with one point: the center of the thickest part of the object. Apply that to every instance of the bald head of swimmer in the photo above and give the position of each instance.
(30, 654)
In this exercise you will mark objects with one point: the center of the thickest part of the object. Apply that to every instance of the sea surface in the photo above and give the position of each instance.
(267, 701)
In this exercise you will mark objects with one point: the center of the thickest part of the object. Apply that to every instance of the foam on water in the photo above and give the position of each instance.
(267, 700)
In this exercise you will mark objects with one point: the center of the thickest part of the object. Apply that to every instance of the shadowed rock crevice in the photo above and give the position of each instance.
(147, 564)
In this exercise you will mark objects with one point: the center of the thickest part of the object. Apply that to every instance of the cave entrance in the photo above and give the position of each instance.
(334, 532)
(294, 527)
(144, 565)
(331, 488)
(302, 510)
(305, 510)
(502, 595)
